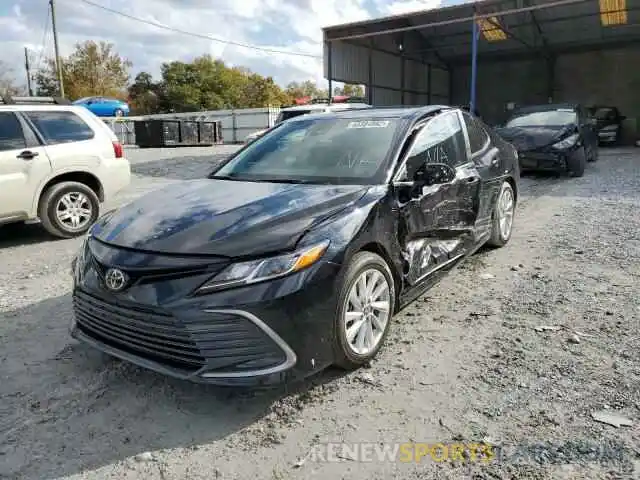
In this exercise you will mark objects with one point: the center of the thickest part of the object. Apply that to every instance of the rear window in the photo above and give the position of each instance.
(61, 127)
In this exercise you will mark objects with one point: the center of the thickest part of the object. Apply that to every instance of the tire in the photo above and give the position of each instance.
(50, 204)
(373, 266)
(118, 113)
(501, 236)
(577, 162)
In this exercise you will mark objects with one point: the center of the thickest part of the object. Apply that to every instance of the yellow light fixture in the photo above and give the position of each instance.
(491, 30)
(613, 12)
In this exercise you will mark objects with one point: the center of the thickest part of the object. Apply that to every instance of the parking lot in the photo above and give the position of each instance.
(469, 362)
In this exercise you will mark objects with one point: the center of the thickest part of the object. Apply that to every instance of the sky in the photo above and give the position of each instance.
(287, 25)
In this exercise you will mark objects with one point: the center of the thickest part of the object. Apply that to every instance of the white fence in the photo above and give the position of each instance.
(236, 124)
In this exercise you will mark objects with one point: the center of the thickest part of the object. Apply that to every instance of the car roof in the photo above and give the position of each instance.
(407, 113)
(322, 106)
(546, 107)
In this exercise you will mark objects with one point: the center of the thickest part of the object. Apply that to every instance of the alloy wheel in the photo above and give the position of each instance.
(367, 312)
(74, 211)
(506, 206)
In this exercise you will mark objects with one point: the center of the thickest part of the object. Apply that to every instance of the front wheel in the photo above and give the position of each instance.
(502, 218)
(365, 306)
(118, 113)
(68, 209)
(577, 162)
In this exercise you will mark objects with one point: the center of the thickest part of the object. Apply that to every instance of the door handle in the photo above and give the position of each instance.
(27, 155)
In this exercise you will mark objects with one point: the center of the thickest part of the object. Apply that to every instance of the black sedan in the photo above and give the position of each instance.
(608, 121)
(296, 252)
(557, 137)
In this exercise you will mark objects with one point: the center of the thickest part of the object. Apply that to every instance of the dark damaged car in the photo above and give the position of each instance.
(296, 252)
(560, 138)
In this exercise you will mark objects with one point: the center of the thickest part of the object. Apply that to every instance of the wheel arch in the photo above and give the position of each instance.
(381, 251)
(79, 176)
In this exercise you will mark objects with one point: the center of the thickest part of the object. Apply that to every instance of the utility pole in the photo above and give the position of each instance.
(55, 45)
(26, 65)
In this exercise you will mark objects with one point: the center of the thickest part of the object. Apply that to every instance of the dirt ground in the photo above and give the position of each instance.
(516, 349)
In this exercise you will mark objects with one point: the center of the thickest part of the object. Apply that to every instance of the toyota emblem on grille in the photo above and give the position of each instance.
(115, 279)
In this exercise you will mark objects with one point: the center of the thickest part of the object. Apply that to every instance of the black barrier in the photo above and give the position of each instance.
(177, 133)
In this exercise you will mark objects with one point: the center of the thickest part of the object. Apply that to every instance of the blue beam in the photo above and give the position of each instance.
(474, 65)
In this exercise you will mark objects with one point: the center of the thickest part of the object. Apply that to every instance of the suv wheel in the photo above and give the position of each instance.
(68, 209)
(365, 306)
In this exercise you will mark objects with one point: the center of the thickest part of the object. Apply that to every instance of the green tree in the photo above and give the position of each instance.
(145, 95)
(209, 84)
(305, 89)
(349, 90)
(93, 69)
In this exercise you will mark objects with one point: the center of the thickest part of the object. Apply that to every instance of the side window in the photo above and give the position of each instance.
(11, 134)
(441, 140)
(61, 127)
(478, 136)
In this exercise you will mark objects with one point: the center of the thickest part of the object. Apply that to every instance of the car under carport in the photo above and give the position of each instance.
(496, 55)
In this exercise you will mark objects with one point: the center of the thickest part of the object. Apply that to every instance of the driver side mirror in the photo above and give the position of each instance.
(429, 174)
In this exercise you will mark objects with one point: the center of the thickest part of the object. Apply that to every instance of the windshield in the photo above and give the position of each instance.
(604, 113)
(320, 150)
(548, 118)
(291, 114)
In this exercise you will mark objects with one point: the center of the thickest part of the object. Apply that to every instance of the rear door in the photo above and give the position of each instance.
(437, 223)
(23, 165)
(489, 163)
(70, 142)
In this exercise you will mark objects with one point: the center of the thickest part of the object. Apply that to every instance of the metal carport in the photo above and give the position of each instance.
(526, 51)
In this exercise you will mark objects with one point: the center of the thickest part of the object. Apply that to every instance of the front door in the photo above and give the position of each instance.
(23, 165)
(489, 162)
(437, 223)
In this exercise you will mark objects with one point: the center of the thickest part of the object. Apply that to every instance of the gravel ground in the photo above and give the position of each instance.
(466, 363)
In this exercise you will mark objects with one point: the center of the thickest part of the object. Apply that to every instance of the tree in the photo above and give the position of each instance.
(7, 82)
(349, 90)
(145, 95)
(305, 89)
(209, 84)
(93, 69)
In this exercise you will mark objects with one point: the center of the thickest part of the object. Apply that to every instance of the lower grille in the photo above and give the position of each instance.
(224, 342)
(140, 332)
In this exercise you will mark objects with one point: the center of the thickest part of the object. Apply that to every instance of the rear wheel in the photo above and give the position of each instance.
(118, 113)
(68, 209)
(366, 305)
(577, 162)
(502, 219)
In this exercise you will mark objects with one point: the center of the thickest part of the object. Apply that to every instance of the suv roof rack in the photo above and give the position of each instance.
(9, 100)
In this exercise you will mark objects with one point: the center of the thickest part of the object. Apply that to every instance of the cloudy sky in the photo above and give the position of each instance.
(288, 25)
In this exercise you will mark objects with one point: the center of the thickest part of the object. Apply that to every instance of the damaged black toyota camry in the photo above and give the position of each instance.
(555, 137)
(295, 253)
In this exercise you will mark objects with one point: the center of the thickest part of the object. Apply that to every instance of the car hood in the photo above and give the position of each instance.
(223, 217)
(530, 138)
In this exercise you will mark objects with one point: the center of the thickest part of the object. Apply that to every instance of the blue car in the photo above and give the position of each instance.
(104, 107)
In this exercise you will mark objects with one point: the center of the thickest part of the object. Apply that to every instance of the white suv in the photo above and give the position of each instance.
(58, 162)
(290, 112)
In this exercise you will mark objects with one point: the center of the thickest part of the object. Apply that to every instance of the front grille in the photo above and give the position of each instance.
(221, 341)
(142, 332)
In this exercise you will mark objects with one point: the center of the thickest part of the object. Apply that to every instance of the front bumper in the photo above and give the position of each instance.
(258, 335)
(546, 160)
(607, 136)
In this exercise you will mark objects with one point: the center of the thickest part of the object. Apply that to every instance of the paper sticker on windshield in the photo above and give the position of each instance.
(369, 124)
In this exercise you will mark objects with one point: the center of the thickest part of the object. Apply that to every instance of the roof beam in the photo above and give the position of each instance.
(510, 34)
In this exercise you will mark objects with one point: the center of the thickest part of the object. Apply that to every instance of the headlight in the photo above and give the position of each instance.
(570, 141)
(254, 271)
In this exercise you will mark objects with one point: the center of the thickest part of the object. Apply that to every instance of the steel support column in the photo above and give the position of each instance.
(402, 79)
(370, 75)
(330, 70)
(429, 84)
(474, 65)
(551, 76)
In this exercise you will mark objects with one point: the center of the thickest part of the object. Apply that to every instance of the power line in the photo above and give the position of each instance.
(199, 35)
(43, 42)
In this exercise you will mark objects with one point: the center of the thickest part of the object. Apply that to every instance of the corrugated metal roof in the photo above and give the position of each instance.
(525, 26)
